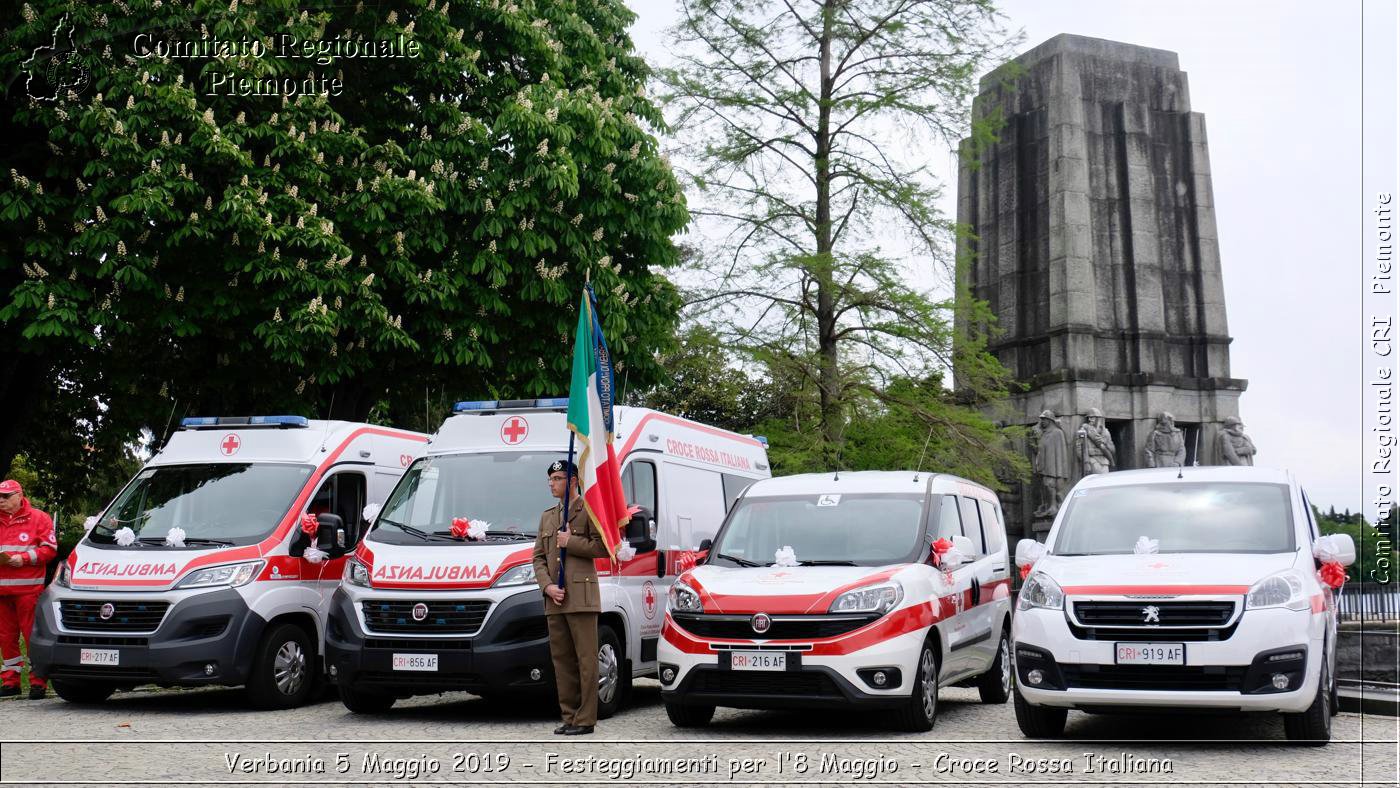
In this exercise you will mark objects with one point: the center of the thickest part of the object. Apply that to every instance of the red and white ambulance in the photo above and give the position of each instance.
(869, 589)
(421, 611)
(206, 570)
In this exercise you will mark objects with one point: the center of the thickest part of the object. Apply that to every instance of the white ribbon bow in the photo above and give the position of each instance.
(315, 555)
(175, 537)
(1145, 546)
(371, 511)
(626, 552)
(125, 536)
(785, 556)
(476, 529)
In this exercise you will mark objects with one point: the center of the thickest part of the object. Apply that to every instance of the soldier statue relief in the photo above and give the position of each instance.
(1051, 463)
(1235, 448)
(1166, 446)
(1094, 444)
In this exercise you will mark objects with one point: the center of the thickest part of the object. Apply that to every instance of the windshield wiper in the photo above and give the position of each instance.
(827, 563)
(739, 561)
(408, 529)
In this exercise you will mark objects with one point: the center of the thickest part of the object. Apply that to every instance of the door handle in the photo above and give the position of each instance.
(976, 592)
(996, 570)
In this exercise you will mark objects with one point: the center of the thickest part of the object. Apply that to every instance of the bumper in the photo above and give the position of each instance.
(212, 628)
(512, 643)
(1230, 674)
(818, 675)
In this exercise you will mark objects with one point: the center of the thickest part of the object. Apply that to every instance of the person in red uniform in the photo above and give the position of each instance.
(27, 545)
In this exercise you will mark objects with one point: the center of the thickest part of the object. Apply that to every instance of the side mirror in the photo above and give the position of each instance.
(1028, 551)
(330, 537)
(706, 544)
(965, 546)
(1335, 547)
(641, 531)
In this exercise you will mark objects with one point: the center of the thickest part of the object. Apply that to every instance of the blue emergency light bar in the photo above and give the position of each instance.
(510, 404)
(200, 422)
(763, 439)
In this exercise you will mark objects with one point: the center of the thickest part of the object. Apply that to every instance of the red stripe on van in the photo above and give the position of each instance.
(1155, 590)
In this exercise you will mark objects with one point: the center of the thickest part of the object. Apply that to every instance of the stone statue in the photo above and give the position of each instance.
(1051, 463)
(1234, 446)
(1094, 444)
(1166, 446)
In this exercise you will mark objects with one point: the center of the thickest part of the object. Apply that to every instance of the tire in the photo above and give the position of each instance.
(1039, 722)
(995, 685)
(689, 716)
(283, 669)
(361, 702)
(1313, 727)
(82, 692)
(612, 681)
(920, 711)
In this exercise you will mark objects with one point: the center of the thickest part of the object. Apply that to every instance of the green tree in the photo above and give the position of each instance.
(807, 129)
(175, 243)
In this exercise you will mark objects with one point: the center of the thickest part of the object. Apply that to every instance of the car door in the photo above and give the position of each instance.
(956, 630)
(977, 651)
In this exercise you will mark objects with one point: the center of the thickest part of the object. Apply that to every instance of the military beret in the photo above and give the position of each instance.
(562, 465)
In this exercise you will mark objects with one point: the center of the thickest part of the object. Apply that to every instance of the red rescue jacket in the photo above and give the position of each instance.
(29, 534)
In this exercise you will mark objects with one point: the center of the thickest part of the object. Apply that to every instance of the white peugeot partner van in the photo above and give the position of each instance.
(421, 611)
(870, 589)
(195, 575)
(1187, 589)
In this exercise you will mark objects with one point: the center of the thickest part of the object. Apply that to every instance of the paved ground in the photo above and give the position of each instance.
(209, 736)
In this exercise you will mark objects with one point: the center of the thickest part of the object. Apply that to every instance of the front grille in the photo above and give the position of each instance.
(102, 672)
(788, 683)
(1154, 635)
(125, 617)
(415, 645)
(414, 679)
(1169, 614)
(445, 617)
(1154, 677)
(782, 628)
(95, 640)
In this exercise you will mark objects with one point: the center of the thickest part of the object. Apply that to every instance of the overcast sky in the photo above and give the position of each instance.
(1279, 85)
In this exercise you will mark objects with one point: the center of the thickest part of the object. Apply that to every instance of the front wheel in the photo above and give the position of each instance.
(995, 685)
(1039, 722)
(1313, 727)
(921, 709)
(689, 716)
(82, 692)
(282, 673)
(613, 679)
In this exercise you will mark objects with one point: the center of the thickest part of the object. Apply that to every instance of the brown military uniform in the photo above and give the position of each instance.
(573, 626)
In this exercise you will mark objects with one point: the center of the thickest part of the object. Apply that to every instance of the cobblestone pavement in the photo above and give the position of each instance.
(210, 736)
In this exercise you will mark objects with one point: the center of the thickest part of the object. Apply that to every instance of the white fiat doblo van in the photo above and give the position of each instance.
(823, 591)
(195, 574)
(1187, 589)
(421, 611)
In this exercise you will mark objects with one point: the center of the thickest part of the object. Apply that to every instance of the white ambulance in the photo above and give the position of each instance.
(823, 590)
(198, 574)
(423, 612)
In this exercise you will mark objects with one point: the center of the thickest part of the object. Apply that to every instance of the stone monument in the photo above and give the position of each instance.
(1093, 240)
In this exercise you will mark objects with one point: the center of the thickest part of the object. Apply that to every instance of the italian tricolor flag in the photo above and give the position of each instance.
(591, 420)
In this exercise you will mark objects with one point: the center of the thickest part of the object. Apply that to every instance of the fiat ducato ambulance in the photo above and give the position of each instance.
(864, 590)
(423, 611)
(1190, 589)
(205, 569)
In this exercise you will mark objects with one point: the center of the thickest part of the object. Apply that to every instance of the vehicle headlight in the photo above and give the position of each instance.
(356, 573)
(870, 599)
(1040, 591)
(62, 579)
(1284, 589)
(232, 575)
(683, 599)
(521, 575)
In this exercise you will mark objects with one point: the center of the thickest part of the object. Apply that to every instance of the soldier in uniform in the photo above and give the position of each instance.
(1095, 444)
(1235, 447)
(1051, 463)
(571, 611)
(1166, 446)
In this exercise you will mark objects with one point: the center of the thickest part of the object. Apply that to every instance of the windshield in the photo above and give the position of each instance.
(1221, 517)
(509, 490)
(858, 530)
(229, 503)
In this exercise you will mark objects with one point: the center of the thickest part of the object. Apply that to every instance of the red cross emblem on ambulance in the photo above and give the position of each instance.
(649, 599)
(229, 445)
(514, 430)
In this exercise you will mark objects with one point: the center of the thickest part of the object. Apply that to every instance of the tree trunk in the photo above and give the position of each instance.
(828, 359)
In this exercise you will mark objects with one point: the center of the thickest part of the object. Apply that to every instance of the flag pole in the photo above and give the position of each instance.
(564, 513)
